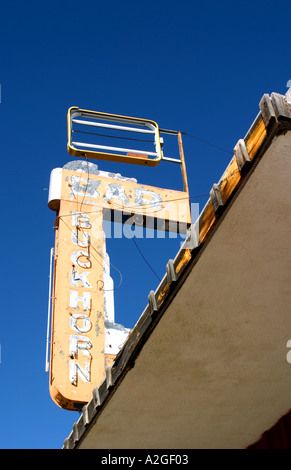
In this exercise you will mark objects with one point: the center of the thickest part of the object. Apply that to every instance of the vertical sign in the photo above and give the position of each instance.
(77, 349)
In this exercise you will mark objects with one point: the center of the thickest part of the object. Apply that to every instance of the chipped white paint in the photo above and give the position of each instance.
(115, 337)
(75, 323)
(77, 371)
(80, 300)
(81, 258)
(82, 343)
(81, 220)
(75, 299)
(55, 187)
(82, 277)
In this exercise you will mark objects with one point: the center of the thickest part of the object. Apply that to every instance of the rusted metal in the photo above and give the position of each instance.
(183, 164)
(256, 136)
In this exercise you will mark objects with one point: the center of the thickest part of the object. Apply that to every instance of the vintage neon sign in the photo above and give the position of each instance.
(82, 326)
(84, 336)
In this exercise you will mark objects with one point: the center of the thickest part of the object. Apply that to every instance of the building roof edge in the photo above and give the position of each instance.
(274, 118)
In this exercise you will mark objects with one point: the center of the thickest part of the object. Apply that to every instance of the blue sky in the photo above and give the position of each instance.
(196, 67)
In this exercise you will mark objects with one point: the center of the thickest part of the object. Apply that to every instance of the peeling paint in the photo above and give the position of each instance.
(88, 188)
(83, 305)
(97, 328)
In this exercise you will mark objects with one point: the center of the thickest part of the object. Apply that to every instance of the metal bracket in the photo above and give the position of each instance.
(216, 198)
(241, 154)
(171, 273)
(152, 302)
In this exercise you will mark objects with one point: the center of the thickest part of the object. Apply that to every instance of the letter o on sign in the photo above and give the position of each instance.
(86, 326)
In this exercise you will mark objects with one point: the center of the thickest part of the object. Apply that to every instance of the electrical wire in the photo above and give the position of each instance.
(145, 260)
(98, 261)
(87, 183)
(135, 207)
(133, 238)
(207, 143)
(113, 136)
(138, 207)
(121, 207)
(112, 265)
(143, 257)
(203, 141)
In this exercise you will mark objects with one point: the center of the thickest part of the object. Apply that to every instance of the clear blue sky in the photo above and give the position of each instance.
(197, 67)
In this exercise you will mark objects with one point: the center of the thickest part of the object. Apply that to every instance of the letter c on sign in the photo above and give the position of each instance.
(81, 258)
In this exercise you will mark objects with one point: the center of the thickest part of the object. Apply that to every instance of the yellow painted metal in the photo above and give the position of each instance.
(130, 197)
(130, 157)
(183, 164)
(77, 315)
(78, 362)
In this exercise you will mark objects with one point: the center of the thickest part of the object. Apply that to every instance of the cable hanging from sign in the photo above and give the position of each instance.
(109, 263)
